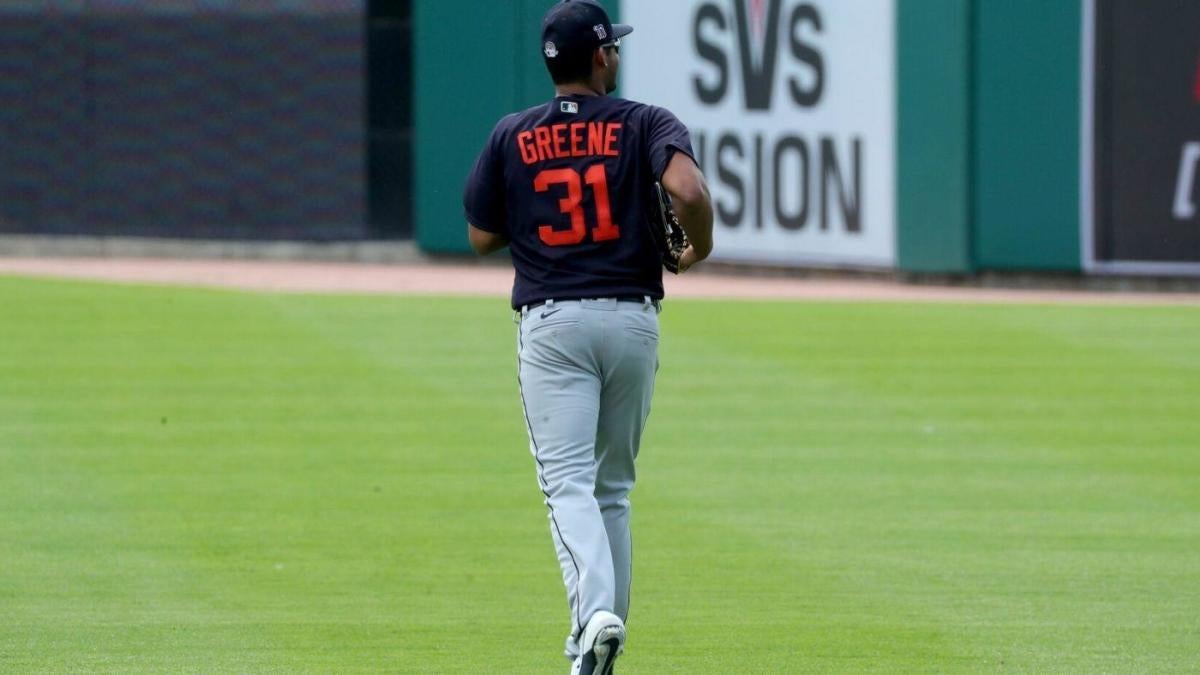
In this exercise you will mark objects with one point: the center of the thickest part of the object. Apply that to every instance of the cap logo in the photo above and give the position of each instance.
(550, 50)
(569, 107)
(600, 32)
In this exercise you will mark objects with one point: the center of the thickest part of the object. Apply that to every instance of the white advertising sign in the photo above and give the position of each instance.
(791, 105)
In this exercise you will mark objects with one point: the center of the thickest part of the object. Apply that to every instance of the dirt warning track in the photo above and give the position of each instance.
(496, 281)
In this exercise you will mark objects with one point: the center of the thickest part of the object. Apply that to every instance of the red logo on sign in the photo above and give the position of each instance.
(758, 19)
(1196, 86)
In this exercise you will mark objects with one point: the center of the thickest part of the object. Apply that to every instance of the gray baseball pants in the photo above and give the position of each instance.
(586, 370)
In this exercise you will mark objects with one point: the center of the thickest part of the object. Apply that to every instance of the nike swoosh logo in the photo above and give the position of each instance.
(551, 312)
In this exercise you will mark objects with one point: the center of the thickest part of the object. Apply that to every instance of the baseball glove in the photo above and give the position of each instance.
(667, 232)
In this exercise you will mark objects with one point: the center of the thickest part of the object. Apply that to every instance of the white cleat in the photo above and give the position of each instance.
(603, 640)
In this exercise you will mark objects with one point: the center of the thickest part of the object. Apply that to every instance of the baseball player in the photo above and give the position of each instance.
(570, 187)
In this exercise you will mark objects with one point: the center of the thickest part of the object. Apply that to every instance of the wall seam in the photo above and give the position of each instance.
(971, 215)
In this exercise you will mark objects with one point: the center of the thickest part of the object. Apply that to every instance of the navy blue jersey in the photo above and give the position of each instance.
(570, 184)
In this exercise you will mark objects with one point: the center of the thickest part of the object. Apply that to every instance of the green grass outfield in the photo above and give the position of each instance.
(217, 481)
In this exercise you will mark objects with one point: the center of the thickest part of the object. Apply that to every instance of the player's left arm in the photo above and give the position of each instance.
(484, 201)
(484, 242)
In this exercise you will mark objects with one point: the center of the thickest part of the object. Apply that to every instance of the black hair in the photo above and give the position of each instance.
(570, 66)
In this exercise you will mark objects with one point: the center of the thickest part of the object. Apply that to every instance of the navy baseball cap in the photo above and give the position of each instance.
(578, 25)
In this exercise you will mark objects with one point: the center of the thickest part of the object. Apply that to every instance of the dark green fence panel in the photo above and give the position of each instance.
(465, 82)
(933, 153)
(1027, 119)
(988, 135)
(474, 64)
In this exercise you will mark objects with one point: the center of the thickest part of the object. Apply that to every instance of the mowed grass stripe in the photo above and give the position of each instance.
(223, 481)
(976, 431)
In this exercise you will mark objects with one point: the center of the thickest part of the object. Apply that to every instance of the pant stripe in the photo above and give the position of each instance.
(578, 609)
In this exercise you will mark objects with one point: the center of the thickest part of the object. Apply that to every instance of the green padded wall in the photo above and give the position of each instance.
(1027, 121)
(933, 145)
(461, 90)
(473, 64)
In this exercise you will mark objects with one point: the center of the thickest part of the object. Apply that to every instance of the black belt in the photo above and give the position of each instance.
(640, 299)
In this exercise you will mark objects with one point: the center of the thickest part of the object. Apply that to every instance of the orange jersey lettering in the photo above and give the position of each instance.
(559, 141)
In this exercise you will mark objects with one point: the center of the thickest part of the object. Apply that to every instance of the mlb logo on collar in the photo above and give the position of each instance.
(569, 107)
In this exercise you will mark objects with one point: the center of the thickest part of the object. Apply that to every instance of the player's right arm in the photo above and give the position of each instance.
(673, 163)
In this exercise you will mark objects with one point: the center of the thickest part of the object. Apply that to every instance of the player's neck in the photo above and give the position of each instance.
(578, 89)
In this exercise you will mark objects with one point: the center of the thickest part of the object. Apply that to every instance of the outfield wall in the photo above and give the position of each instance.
(944, 136)
(940, 136)
(921, 135)
(988, 158)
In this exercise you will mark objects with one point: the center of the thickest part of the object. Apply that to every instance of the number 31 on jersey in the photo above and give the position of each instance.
(597, 179)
